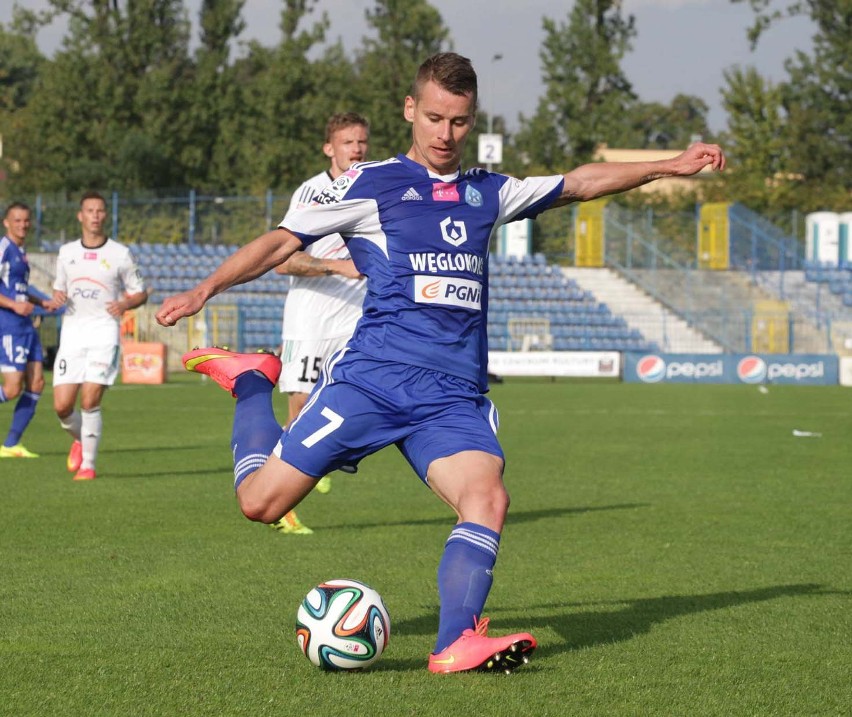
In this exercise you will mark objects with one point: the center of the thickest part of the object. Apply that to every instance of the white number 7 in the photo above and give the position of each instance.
(335, 420)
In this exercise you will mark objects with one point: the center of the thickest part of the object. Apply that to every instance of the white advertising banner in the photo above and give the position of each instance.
(594, 364)
(846, 370)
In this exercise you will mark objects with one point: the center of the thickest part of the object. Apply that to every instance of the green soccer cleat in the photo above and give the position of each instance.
(290, 524)
(16, 451)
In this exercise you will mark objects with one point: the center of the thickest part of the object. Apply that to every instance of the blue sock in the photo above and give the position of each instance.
(256, 430)
(464, 579)
(23, 414)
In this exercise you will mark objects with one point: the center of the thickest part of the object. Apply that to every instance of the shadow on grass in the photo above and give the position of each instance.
(160, 448)
(140, 449)
(514, 517)
(582, 624)
(637, 617)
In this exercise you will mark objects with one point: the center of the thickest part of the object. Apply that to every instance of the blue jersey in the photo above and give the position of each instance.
(14, 284)
(422, 241)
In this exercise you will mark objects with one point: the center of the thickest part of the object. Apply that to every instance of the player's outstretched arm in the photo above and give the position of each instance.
(600, 179)
(304, 264)
(252, 260)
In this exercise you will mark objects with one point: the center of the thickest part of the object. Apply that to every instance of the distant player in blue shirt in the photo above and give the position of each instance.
(20, 348)
(414, 372)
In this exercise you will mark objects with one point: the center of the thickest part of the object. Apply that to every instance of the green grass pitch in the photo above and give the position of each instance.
(675, 549)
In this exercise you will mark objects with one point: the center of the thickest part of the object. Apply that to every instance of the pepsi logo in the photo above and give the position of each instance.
(751, 369)
(651, 369)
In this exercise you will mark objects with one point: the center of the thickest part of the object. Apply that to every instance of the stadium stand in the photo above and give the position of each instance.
(521, 291)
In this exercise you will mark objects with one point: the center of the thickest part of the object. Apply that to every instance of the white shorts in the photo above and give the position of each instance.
(302, 362)
(86, 364)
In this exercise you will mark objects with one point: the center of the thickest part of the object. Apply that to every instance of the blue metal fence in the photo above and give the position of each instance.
(170, 218)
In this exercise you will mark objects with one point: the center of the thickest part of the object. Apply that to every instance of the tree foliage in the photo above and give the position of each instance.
(586, 91)
(653, 125)
(406, 32)
(793, 142)
(20, 64)
(132, 100)
(756, 139)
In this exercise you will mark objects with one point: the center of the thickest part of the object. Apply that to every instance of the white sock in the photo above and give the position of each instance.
(72, 424)
(90, 436)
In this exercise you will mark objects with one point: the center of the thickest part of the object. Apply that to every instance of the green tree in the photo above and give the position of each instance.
(407, 32)
(658, 126)
(278, 103)
(756, 140)
(20, 63)
(816, 98)
(586, 92)
(220, 24)
(108, 108)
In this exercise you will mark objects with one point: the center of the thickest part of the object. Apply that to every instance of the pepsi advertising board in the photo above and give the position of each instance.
(794, 369)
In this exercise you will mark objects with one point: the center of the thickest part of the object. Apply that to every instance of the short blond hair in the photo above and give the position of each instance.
(342, 120)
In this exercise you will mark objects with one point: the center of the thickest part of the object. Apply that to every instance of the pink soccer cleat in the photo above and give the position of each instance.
(75, 457)
(224, 366)
(475, 651)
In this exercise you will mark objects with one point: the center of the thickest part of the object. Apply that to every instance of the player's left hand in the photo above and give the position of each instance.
(59, 299)
(179, 306)
(696, 157)
(115, 308)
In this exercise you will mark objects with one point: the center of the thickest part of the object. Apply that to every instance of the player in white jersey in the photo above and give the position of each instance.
(96, 281)
(326, 290)
(414, 373)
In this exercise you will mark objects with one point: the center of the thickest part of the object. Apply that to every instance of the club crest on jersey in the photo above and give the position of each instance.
(447, 291)
(338, 188)
(454, 233)
(472, 196)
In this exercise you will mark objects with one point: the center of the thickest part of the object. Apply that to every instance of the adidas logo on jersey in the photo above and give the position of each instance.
(411, 196)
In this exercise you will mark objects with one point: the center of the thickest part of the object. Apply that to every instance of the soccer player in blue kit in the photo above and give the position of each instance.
(414, 372)
(20, 347)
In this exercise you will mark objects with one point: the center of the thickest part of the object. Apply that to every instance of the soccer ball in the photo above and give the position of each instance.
(342, 625)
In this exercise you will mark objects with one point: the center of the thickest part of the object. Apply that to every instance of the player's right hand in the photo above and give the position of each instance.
(178, 306)
(23, 308)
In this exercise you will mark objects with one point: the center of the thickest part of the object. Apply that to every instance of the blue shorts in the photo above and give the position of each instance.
(18, 347)
(362, 404)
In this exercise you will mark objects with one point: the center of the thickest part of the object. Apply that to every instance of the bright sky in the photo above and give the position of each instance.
(682, 46)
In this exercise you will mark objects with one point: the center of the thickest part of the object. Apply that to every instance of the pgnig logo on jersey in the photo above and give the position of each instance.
(651, 369)
(448, 291)
(751, 369)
